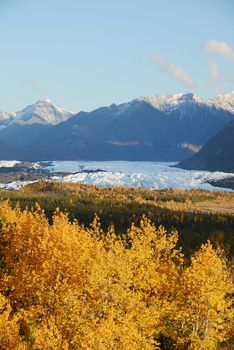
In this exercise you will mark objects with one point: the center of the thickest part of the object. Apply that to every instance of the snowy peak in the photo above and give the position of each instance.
(41, 112)
(224, 101)
(125, 107)
(5, 119)
(6, 115)
(183, 102)
(170, 103)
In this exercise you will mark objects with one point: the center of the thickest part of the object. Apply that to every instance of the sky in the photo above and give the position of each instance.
(90, 53)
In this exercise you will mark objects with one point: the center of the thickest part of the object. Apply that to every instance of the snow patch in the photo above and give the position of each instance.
(8, 163)
(13, 163)
(15, 185)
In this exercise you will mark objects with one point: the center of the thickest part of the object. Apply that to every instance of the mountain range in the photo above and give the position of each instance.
(157, 128)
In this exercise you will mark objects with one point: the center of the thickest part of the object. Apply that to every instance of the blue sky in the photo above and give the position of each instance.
(85, 54)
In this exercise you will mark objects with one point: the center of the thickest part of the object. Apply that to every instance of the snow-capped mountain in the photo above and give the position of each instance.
(223, 101)
(6, 118)
(19, 131)
(41, 112)
(158, 128)
(186, 102)
(6, 115)
(170, 103)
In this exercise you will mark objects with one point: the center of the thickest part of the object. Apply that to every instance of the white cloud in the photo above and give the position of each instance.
(176, 72)
(219, 47)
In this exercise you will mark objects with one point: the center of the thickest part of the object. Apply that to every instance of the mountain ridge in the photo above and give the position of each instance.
(166, 103)
(158, 128)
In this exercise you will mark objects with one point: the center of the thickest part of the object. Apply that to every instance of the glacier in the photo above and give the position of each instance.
(149, 175)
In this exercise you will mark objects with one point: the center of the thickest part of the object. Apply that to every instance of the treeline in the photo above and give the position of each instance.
(122, 206)
(64, 286)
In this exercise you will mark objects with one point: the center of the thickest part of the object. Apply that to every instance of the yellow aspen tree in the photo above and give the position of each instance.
(206, 314)
(156, 265)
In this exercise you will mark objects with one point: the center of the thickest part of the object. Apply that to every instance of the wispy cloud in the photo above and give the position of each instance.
(31, 83)
(214, 72)
(216, 77)
(176, 72)
(216, 88)
(219, 47)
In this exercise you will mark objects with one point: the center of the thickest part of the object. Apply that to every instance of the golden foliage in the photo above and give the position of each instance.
(9, 329)
(198, 215)
(207, 289)
(64, 286)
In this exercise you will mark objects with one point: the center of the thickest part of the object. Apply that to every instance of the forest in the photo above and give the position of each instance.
(91, 268)
(198, 215)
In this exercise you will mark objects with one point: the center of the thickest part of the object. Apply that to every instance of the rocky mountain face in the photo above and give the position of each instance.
(216, 154)
(157, 128)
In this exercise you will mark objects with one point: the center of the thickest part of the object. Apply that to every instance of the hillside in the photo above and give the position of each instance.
(216, 155)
